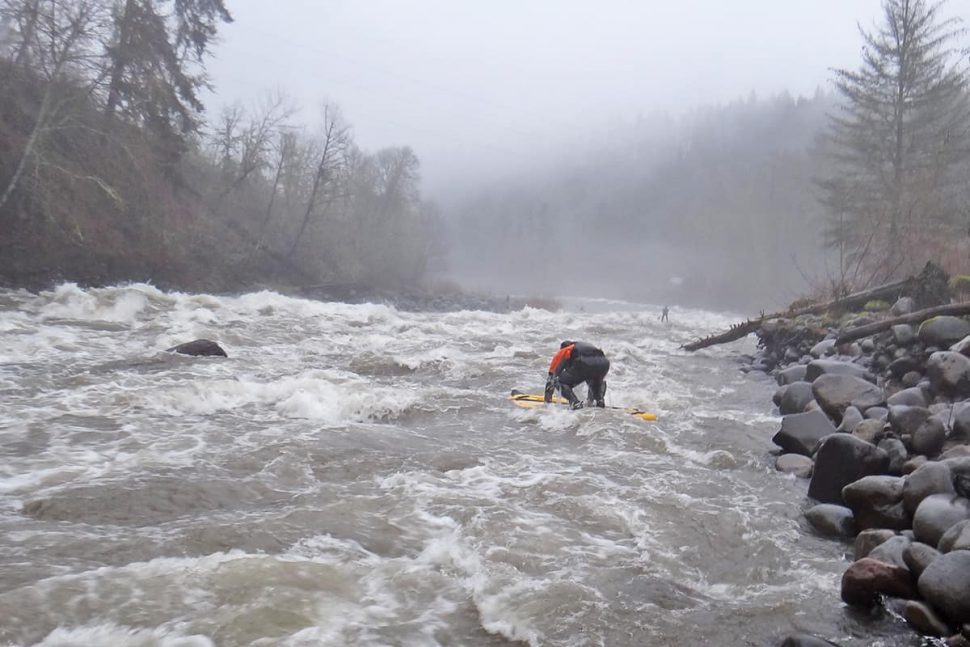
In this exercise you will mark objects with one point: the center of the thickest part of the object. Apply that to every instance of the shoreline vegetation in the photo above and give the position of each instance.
(875, 406)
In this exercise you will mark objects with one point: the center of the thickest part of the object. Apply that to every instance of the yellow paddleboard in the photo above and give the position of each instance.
(532, 401)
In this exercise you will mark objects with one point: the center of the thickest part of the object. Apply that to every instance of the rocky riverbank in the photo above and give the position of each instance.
(879, 428)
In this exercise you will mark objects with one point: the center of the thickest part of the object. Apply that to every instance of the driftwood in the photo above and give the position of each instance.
(953, 309)
(739, 330)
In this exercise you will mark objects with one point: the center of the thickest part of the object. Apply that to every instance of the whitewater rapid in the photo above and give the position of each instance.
(356, 475)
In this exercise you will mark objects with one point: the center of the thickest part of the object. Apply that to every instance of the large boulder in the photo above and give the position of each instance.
(945, 584)
(819, 367)
(842, 459)
(800, 433)
(877, 502)
(868, 578)
(834, 393)
(831, 520)
(944, 331)
(949, 373)
(795, 398)
(199, 348)
(936, 514)
(929, 478)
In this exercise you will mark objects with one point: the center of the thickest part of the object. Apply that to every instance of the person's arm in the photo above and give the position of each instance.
(551, 382)
(555, 368)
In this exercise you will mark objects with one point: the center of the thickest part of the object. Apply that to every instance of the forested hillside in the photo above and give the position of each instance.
(111, 170)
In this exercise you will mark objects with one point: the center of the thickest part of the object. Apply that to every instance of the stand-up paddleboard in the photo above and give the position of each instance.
(532, 401)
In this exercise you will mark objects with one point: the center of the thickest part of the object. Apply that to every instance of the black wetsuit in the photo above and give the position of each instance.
(585, 363)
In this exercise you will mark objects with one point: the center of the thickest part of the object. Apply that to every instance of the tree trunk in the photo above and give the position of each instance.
(952, 309)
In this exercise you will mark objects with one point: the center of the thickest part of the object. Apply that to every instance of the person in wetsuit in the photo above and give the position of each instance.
(575, 363)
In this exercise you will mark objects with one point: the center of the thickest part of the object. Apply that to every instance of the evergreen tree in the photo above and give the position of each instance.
(156, 64)
(899, 144)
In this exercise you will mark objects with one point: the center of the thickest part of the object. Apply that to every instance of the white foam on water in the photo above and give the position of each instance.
(117, 636)
(328, 397)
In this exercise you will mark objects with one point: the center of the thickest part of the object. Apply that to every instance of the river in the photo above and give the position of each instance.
(356, 475)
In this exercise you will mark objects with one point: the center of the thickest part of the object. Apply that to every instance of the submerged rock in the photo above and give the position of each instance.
(199, 348)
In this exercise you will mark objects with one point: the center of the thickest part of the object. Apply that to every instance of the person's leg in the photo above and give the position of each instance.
(567, 380)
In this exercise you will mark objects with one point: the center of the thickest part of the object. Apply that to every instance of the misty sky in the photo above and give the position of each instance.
(477, 85)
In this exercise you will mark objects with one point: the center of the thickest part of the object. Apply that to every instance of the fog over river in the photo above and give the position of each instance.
(356, 475)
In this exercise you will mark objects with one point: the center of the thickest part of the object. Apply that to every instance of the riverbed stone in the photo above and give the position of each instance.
(930, 478)
(949, 373)
(801, 433)
(842, 459)
(791, 374)
(929, 438)
(817, 368)
(850, 419)
(903, 306)
(876, 413)
(911, 379)
(897, 453)
(877, 502)
(905, 419)
(868, 429)
(835, 393)
(903, 334)
(962, 346)
(943, 331)
(945, 584)
(823, 348)
(903, 365)
(891, 551)
(795, 397)
(797, 464)
(936, 514)
(831, 520)
(867, 578)
(912, 397)
(924, 619)
(956, 538)
(918, 556)
(868, 539)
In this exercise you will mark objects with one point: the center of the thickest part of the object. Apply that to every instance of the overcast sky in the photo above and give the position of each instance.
(472, 84)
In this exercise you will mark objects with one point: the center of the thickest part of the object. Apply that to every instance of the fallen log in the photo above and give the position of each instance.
(952, 309)
(737, 331)
(845, 303)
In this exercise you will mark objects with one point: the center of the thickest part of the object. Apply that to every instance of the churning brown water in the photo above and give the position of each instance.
(355, 475)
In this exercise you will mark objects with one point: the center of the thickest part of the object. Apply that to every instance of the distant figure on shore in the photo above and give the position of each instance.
(663, 314)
